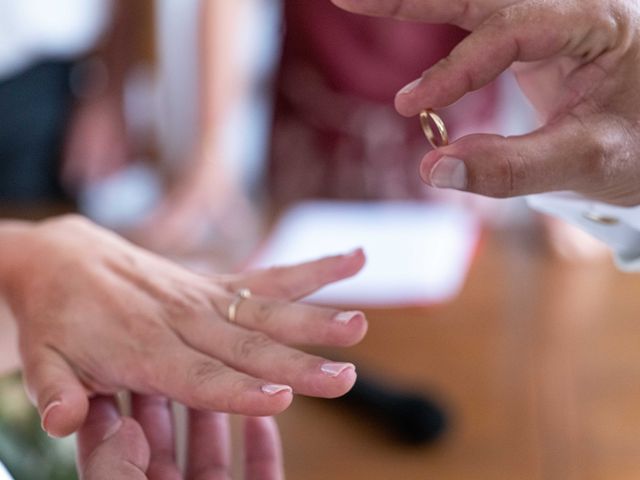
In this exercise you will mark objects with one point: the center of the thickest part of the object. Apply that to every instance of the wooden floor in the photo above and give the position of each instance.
(538, 363)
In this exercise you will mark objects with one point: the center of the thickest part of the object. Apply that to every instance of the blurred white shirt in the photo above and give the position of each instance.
(4, 475)
(618, 227)
(34, 30)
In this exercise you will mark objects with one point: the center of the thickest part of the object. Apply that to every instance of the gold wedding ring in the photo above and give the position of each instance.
(427, 117)
(232, 311)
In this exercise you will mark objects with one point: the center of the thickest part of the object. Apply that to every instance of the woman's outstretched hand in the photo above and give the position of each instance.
(97, 315)
(140, 448)
(578, 62)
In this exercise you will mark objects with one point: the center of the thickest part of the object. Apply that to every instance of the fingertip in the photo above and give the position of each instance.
(361, 325)
(129, 432)
(347, 332)
(65, 416)
(259, 400)
(406, 104)
(279, 398)
(354, 261)
(344, 382)
(337, 379)
(427, 164)
(355, 253)
(45, 416)
(122, 448)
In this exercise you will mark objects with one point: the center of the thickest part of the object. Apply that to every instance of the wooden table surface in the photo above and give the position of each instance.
(538, 363)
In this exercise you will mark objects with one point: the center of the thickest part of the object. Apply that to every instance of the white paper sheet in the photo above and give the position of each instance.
(417, 253)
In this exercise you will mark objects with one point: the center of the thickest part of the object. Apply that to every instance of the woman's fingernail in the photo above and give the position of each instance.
(335, 369)
(346, 317)
(410, 87)
(274, 388)
(354, 253)
(449, 172)
(113, 429)
(47, 412)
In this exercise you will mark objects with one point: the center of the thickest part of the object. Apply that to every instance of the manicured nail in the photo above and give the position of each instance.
(113, 429)
(449, 172)
(409, 88)
(353, 253)
(46, 413)
(274, 388)
(335, 369)
(346, 317)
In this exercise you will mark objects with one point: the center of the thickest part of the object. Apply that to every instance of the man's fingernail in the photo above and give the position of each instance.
(46, 413)
(346, 317)
(274, 388)
(449, 172)
(409, 88)
(113, 429)
(335, 369)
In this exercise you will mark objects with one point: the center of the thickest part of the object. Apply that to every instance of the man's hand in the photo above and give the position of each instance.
(96, 314)
(111, 447)
(578, 62)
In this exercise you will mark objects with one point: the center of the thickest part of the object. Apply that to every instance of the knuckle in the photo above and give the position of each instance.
(237, 403)
(250, 343)
(281, 287)
(444, 66)
(205, 371)
(72, 220)
(595, 161)
(145, 373)
(145, 333)
(602, 17)
(501, 18)
(264, 313)
(186, 305)
(142, 365)
(504, 178)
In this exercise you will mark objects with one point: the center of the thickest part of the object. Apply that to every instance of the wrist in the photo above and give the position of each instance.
(14, 243)
(12, 250)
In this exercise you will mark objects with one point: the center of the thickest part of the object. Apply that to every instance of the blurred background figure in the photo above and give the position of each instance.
(40, 43)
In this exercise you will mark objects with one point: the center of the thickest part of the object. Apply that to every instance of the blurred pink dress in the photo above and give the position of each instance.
(336, 133)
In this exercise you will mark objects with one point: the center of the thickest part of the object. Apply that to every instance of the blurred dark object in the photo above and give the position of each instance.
(409, 417)
(34, 108)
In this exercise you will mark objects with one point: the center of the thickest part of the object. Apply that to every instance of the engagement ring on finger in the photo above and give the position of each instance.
(427, 117)
(232, 311)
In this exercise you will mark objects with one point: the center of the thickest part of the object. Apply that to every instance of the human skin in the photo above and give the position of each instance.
(140, 448)
(96, 315)
(577, 61)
